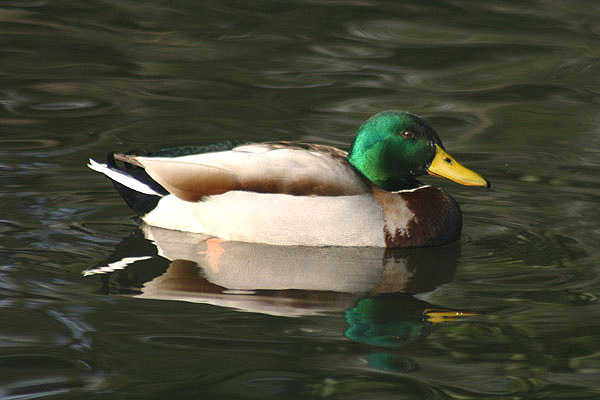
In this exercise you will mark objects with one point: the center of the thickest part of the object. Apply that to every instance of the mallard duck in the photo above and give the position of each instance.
(286, 193)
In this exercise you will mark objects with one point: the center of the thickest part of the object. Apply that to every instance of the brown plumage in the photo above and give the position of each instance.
(278, 167)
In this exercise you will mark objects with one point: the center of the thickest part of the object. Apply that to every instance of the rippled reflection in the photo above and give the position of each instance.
(278, 280)
(370, 287)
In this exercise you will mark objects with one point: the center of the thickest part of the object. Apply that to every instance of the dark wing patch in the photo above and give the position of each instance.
(180, 151)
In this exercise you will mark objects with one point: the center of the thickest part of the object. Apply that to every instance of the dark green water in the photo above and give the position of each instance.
(513, 89)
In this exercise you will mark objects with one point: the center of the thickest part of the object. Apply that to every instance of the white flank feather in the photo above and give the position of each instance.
(122, 178)
(277, 219)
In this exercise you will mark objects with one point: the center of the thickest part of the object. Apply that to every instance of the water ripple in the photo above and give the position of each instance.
(512, 90)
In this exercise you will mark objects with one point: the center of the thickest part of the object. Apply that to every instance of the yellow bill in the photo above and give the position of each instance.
(445, 166)
(436, 316)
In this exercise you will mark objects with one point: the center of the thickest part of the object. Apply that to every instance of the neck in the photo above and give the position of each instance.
(395, 185)
(375, 175)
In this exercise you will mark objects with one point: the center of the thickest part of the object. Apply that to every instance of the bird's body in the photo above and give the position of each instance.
(300, 194)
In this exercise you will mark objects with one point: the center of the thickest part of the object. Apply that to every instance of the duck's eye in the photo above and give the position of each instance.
(408, 134)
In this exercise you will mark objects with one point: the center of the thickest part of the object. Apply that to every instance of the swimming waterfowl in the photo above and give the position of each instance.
(286, 193)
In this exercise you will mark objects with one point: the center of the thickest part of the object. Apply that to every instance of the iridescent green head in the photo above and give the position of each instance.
(394, 147)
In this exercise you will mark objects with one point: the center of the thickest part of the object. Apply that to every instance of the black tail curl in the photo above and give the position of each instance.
(141, 203)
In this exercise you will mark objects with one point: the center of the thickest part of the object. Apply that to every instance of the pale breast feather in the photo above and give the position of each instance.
(265, 168)
(277, 219)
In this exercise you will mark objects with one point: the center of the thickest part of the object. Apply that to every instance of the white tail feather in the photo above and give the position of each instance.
(122, 178)
(115, 266)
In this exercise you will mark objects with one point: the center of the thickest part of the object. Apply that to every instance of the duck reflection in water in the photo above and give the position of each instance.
(371, 286)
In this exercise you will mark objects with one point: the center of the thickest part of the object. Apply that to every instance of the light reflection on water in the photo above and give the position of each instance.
(512, 90)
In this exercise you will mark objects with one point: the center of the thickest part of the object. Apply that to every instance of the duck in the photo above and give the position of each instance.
(301, 194)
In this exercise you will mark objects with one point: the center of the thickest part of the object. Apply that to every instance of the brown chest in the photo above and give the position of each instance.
(426, 216)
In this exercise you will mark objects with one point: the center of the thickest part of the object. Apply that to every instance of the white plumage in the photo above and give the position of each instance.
(278, 219)
(122, 178)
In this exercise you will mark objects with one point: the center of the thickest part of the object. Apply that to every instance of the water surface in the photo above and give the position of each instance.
(511, 87)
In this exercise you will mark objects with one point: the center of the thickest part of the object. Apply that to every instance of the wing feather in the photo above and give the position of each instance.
(265, 168)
